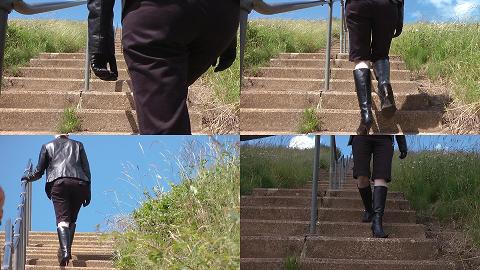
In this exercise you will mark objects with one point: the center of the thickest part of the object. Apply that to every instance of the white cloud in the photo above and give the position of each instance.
(302, 142)
(456, 9)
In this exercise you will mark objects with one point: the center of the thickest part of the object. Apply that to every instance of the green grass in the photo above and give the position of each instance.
(70, 122)
(271, 166)
(226, 84)
(309, 122)
(26, 39)
(194, 226)
(291, 263)
(269, 38)
(444, 185)
(444, 52)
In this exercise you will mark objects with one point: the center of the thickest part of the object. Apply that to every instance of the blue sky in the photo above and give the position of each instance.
(415, 10)
(148, 159)
(415, 142)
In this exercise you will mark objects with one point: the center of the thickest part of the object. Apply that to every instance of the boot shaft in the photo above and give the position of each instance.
(382, 71)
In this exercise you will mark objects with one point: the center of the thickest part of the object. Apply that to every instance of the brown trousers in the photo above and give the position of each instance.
(167, 46)
(67, 195)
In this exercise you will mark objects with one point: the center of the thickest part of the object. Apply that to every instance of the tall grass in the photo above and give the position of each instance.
(449, 52)
(443, 183)
(28, 38)
(264, 165)
(194, 226)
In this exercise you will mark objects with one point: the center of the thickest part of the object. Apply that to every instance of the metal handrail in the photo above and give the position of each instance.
(16, 240)
(246, 6)
(6, 6)
(314, 204)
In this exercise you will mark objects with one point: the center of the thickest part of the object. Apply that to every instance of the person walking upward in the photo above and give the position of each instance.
(372, 24)
(381, 148)
(167, 46)
(68, 186)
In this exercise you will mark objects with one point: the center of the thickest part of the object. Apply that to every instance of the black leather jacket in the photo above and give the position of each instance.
(101, 37)
(62, 157)
(401, 141)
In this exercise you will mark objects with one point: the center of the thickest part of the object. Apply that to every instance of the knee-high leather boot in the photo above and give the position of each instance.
(379, 199)
(364, 95)
(385, 92)
(366, 194)
(64, 240)
(73, 226)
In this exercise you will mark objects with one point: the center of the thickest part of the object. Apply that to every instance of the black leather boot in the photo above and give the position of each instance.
(379, 199)
(64, 239)
(364, 94)
(366, 194)
(72, 228)
(385, 92)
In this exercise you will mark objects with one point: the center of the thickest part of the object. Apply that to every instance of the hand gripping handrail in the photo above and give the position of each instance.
(17, 240)
(6, 6)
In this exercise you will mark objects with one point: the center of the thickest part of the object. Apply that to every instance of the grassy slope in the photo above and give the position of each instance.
(444, 51)
(277, 167)
(195, 226)
(26, 39)
(443, 185)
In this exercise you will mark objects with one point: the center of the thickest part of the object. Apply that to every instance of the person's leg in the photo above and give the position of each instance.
(155, 34)
(382, 166)
(360, 28)
(61, 205)
(362, 151)
(382, 33)
(220, 19)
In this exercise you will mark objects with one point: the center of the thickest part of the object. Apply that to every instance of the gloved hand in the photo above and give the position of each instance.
(87, 200)
(25, 178)
(227, 58)
(403, 155)
(99, 63)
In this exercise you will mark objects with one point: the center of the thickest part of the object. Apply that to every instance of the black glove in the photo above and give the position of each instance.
(89, 197)
(399, 27)
(227, 58)
(25, 178)
(403, 155)
(99, 63)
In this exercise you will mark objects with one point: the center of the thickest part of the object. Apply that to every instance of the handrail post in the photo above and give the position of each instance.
(8, 246)
(329, 44)
(86, 82)
(5, 9)
(332, 162)
(314, 209)
(243, 40)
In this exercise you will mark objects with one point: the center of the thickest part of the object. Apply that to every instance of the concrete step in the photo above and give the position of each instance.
(324, 214)
(75, 249)
(92, 120)
(22, 99)
(255, 227)
(354, 194)
(316, 73)
(322, 55)
(73, 263)
(326, 202)
(265, 99)
(53, 267)
(283, 192)
(337, 247)
(78, 63)
(67, 73)
(77, 56)
(339, 85)
(271, 121)
(57, 84)
(79, 256)
(320, 63)
(344, 264)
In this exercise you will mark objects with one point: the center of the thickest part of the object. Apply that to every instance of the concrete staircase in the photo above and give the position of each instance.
(275, 225)
(33, 100)
(89, 252)
(273, 101)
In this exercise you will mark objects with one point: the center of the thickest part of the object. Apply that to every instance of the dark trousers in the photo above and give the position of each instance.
(378, 146)
(167, 46)
(371, 25)
(67, 195)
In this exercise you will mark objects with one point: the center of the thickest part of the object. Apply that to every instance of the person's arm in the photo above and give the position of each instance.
(101, 39)
(399, 26)
(2, 201)
(402, 145)
(41, 166)
(85, 164)
(228, 56)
